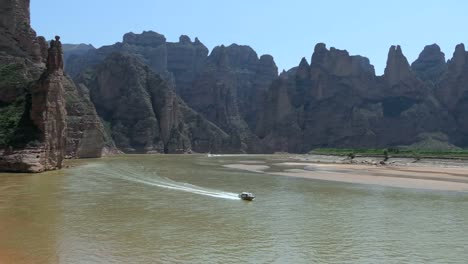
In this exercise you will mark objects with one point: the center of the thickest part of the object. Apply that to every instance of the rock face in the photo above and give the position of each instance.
(431, 64)
(452, 91)
(228, 90)
(40, 136)
(149, 46)
(185, 60)
(48, 112)
(225, 87)
(72, 50)
(34, 96)
(16, 35)
(338, 101)
(398, 68)
(335, 101)
(143, 112)
(86, 136)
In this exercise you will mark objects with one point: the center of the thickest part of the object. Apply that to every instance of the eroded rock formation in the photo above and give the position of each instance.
(430, 65)
(452, 91)
(144, 113)
(39, 141)
(48, 112)
(225, 87)
(34, 95)
(338, 101)
(335, 101)
(228, 90)
(86, 136)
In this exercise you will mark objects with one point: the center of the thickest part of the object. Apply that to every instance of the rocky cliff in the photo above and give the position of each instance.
(452, 91)
(430, 65)
(38, 141)
(147, 95)
(33, 93)
(73, 50)
(228, 89)
(86, 135)
(224, 87)
(150, 47)
(16, 35)
(48, 112)
(337, 101)
(143, 112)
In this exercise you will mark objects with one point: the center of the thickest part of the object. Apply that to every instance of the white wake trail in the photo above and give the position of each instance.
(166, 183)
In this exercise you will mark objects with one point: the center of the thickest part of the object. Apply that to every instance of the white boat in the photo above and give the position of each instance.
(246, 196)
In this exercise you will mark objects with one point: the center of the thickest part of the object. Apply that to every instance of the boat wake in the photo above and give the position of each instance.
(151, 179)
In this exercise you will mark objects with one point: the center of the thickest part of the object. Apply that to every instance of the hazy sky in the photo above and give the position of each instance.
(288, 30)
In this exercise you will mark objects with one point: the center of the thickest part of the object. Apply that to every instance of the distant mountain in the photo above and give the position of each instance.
(335, 101)
(338, 101)
(70, 50)
(147, 95)
(143, 112)
(224, 87)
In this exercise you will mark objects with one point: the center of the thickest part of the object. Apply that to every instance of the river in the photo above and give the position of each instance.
(184, 209)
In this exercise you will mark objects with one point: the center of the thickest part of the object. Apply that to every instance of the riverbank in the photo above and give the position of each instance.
(428, 174)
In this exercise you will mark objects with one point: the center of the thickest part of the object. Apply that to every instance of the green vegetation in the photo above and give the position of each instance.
(351, 155)
(394, 152)
(385, 153)
(26, 134)
(14, 125)
(10, 116)
(12, 75)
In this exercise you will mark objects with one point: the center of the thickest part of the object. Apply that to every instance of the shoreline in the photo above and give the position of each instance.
(440, 174)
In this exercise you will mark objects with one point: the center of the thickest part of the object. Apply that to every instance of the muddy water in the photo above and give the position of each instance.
(184, 209)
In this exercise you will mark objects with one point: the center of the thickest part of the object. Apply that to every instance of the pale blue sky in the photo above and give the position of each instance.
(288, 30)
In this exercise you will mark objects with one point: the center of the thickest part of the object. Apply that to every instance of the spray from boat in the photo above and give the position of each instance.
(148, 178)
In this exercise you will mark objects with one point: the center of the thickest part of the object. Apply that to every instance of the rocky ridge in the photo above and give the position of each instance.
(39, 140)
(225, 87)
(34, 124)
(147, 95)
(338, 101)
(143, 112)
(335, 101)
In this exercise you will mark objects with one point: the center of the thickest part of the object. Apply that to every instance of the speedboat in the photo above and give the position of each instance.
(246, 196)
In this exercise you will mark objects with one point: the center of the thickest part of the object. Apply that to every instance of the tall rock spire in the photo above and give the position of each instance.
(48, 109)
(459, 60)
(397, 68)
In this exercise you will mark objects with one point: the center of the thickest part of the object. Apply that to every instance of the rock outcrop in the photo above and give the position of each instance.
(34, 96)
(185, 60)
(338, 101)
(39, 141)
(228, 90)
(150, 47)
(452, 91)
(398, 68)
(48, 112)
(143, 112)
(16, 34)
(430, 65)
(226, 87)
(86, 136)
(73, 50)
(335, 101)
